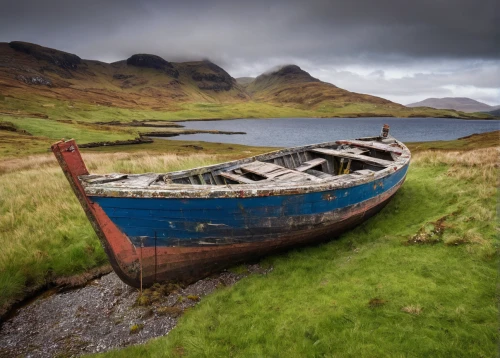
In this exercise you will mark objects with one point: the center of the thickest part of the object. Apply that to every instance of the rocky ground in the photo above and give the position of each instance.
(106, 314)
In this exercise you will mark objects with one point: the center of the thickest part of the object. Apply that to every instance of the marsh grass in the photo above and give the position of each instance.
(369, 293)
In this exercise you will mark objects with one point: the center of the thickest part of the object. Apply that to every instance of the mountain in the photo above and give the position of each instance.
(292, 85)
(244, 81)
(143, 80)
(48, 83)
(495, 112)
(463, 104)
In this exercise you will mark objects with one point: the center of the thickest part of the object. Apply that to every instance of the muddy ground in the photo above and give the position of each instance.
(106, 314)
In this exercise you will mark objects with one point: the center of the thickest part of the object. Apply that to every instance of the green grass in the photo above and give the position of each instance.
(370, 293)
(42, 231)
(82, 133)
(89, 112)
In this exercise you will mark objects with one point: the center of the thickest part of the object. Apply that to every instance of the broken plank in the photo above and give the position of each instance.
(362, 158)
(237, 178)
(372, 145)
(310, 164)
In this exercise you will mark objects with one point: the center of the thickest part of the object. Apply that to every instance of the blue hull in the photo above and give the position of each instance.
(171, 222)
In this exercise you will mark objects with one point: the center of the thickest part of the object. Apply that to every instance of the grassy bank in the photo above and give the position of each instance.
(417, 280)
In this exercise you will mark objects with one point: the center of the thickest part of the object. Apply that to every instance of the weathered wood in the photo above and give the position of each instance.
(120, 180)
(237, 178)
(141, 180)
(356, 151)
(266, 170)
(362, 158)
(310, 164)
(276, 172)
(364, 172)
(319, 174)
(101, 179)
(372, 145)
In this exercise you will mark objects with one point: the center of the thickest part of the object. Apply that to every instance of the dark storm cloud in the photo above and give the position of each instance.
(316, 29)
(249, 37)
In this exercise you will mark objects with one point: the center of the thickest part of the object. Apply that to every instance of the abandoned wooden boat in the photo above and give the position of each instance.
(182, 226)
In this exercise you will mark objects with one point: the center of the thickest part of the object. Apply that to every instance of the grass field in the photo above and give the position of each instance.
(57, 109)
(419, 279)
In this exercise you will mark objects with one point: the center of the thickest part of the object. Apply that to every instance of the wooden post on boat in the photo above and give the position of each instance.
(120, 251)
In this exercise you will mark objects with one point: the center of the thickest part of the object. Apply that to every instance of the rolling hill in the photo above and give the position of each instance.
(292, 85)
(463, 104)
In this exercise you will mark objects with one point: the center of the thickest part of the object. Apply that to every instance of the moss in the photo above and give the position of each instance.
(136, 328)
(169, 311)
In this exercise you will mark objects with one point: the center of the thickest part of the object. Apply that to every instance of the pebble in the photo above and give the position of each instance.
(99, 317)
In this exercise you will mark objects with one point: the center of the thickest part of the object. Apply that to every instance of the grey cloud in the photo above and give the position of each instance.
(321, 29)
(477, 81)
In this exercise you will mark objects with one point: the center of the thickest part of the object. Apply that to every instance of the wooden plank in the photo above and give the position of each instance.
(261, 168)
(364, 172)
(276, 172)
(319, 174)
(372, 145)
(362, 158)
(141, 180)
(101, 179)
(237, 178)
(310, 164)
(217, 179)
(356, 151)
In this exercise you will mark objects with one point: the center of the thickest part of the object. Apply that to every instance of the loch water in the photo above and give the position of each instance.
(287, 132)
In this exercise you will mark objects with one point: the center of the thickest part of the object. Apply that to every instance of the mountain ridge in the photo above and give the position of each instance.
(464, 104)
(37, 74)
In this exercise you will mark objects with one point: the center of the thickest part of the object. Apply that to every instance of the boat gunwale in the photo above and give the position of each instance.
(268, 188)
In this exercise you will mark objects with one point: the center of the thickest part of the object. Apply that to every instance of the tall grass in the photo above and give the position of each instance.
(44, 233)
(376, 291)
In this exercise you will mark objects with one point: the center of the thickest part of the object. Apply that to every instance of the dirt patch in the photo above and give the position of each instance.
(106, 314)
(376, 302)
(58, 285)
(140, 140)
(9, 126)
(135, 123)
(430, 233)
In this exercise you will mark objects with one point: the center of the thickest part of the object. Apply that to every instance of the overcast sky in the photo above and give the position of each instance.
(401, 50)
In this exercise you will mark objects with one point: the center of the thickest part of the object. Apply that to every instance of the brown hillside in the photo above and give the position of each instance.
(34, 78)
(292, 85)
(143, 80)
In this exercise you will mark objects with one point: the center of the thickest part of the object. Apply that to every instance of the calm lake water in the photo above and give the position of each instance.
(287, 132)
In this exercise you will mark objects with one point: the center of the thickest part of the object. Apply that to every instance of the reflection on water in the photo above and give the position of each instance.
(286, 132)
